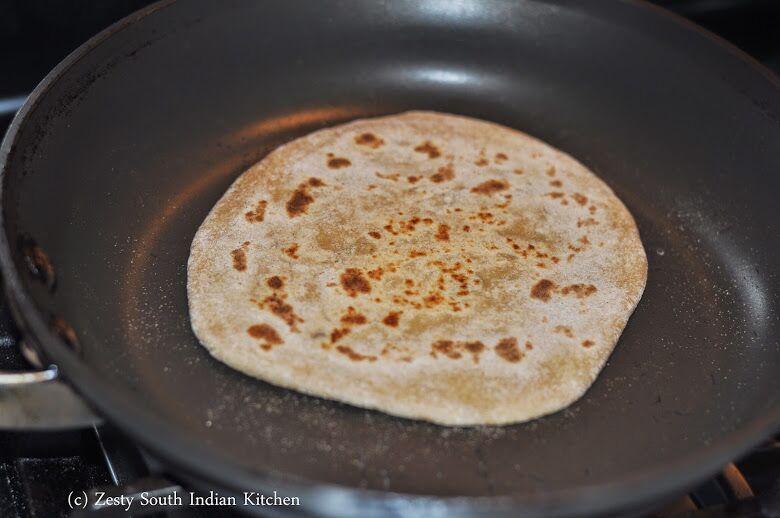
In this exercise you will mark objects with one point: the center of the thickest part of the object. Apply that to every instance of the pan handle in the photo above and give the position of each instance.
(34, 399)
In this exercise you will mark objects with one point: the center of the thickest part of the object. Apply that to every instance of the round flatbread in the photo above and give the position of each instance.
(427, 265)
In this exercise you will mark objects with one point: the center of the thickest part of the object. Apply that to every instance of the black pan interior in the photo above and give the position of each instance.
(119, 162)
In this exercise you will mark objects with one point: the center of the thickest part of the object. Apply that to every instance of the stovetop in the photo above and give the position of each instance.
(39, 471)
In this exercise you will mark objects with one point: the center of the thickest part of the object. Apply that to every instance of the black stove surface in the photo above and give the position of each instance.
(41, 471)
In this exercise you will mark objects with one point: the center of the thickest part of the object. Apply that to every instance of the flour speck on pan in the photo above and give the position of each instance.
(430, 266)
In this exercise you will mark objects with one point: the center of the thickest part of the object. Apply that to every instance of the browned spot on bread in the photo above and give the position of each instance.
(580, 198)
(369, 140)
(337, 162)
(375, 234)
(543, 290)
(393, 177)
(466, 228)
(392, 319)
(376, 274)
(555, 195)
(446, 347)
(500, 158)
(491, 186)
(454, 350)
(551, 171)
(587, 222)
(275, 304)
(353, 282)
(579, 290)
(588, 343)
(507, 350)
(355, 356)
(291, 251)
(518, 171)
(239, 257)
(428, 148)
(556, 183)
(529, 346)
(316, 182)
(443, 232)
(258, 214)
(266, 333)
(413, 179)
(298, 202)
(417, 253)
(275, 282)
(481, 162)
(444, 173)
(352, 317)
(564, 330)
(338, 334)
(475, 348)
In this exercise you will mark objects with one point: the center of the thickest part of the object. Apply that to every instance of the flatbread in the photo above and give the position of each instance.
(427, 265)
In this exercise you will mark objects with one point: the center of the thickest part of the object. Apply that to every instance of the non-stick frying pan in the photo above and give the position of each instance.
(118, 155)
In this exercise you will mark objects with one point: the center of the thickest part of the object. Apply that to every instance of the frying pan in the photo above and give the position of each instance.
(120, 152)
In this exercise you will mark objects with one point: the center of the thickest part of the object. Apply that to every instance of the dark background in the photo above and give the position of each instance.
(36, 34)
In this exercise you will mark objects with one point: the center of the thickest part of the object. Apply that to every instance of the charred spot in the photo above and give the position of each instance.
(337, 162)
(507, 350)
(588, 343)
(258, 214)
(475, 348)
(587, 222)
(413, 179)
(352, 317)
(354, 356)
(376, 274)
(443, 174)
(291, 251)
(491, 186)
(266, 333)
(353, 282)
(239, 258)
(369, 140)
(428, 148)
(543, 290)
(375, 234)
(298, 202)
(446, 347)
(581, 199)
(466, 228)
(276, 305)
(275, 282)
(443, 232)
(579, 290)
(338, 334)
(316, 182)
(392, 319)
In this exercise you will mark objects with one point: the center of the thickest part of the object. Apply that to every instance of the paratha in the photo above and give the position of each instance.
(427, 265)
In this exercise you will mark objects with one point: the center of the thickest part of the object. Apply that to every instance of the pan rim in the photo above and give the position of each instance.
(196, 459)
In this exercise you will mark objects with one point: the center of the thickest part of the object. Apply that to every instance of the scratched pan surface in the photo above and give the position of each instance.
(122, 151)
